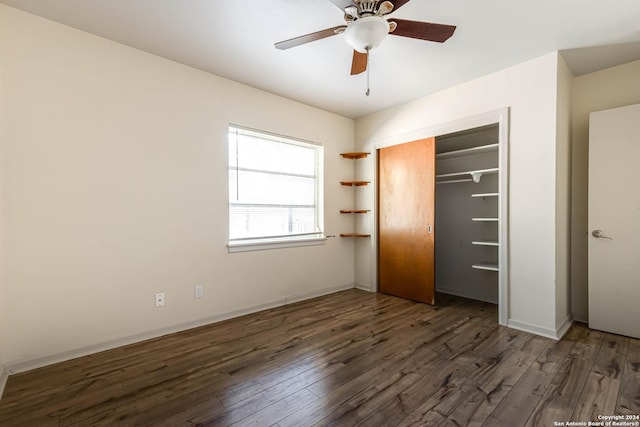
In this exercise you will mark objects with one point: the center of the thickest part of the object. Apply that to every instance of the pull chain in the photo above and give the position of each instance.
(368, 72)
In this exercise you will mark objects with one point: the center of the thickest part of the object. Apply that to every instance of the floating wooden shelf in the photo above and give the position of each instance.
(468, 151)
(485, 219)
(489, 266)
(354, 211)
(355, 155)
(354, 183)
(485, 195)
(486, 243)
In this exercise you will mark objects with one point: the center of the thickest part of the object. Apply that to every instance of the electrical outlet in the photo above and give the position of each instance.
(160, 300)
(198, 292)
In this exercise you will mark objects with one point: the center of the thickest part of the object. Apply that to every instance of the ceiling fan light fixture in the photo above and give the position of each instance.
(366, 33)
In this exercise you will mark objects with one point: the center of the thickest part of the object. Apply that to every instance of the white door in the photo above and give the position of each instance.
(614, 221)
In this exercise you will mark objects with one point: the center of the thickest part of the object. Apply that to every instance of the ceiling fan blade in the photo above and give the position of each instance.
(341, 4)
(397, 4)
(307, 38)
(423, 30)
(359, 62)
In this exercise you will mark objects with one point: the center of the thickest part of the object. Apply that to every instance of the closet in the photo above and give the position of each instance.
(442, 212)
(467, 217)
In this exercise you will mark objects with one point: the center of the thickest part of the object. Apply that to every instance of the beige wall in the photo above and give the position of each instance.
(529, 89)
(610, 88)
(563, 195)
(116, 188)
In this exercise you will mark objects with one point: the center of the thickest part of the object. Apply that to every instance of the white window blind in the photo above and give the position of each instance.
(274, 187)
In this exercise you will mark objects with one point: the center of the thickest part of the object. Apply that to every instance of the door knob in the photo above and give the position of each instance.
(598, 234)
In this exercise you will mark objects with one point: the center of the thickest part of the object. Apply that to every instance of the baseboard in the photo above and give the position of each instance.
(581, 317)
(534, 329)
(542, 331)
(470, 295)
(564, 327)
(301, 297)
(4, 375)
(364, 287)
(39, 362)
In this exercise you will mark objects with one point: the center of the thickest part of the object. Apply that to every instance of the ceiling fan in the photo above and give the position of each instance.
(366, 27)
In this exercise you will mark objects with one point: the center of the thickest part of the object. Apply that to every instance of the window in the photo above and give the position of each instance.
(275, 191)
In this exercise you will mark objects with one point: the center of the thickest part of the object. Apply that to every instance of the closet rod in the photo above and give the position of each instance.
(479, 171)
(453, 181)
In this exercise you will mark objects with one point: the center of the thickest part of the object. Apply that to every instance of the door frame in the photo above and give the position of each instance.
(501, 117)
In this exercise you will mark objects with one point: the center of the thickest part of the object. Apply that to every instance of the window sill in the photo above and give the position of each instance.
(266, 244)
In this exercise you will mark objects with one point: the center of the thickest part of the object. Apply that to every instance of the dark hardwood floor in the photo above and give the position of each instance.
(347, 359)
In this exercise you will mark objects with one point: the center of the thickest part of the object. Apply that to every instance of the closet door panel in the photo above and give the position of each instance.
(406, 206)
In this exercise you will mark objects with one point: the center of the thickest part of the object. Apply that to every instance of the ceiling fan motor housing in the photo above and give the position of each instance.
(367, 8)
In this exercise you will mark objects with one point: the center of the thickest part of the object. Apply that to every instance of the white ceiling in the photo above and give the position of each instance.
(234, 39)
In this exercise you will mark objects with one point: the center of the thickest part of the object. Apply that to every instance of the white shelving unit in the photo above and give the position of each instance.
(486, 266)
(469, 214)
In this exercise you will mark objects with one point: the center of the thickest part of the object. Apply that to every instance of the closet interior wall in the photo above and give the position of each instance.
(467, 214)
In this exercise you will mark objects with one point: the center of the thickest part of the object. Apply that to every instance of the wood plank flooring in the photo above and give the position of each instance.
(348, 359)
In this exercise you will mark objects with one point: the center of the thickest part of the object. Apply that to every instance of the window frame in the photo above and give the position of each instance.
(277, 242)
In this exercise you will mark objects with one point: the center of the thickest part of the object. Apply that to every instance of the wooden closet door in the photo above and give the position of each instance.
(406, 207)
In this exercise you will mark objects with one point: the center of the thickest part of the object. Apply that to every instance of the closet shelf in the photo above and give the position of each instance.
(485, 219)
(486, 243)
(355, 155)
(354, 235)
(468, 151)
(354, 183)
(489, 266)
(485, 195)
(354, 211)
(475, 174)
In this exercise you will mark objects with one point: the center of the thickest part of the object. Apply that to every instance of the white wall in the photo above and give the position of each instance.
(116, 188)
(529, 89)
(610, 88)
(3, 322)
(563, 195)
